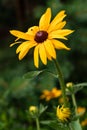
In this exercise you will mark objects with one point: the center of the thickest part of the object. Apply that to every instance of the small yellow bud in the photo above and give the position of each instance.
(69, 84)
(33, 109)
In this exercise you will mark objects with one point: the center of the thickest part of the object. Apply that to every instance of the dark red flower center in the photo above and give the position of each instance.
(41, 36)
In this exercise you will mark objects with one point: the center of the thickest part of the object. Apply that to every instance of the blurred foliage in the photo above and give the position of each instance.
(18, 93)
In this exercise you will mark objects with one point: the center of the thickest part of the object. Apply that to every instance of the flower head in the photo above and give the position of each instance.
(48, 95)
(63, 113)
(44, 38)
(84, 122)
(33, 109)
(81, 110)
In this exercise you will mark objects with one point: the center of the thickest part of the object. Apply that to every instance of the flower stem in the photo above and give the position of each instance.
(74, 103)
(61, 81)
(76, 124)
(37, 124)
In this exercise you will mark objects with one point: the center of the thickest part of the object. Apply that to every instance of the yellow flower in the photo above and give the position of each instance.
(81, 110)
(33, 109)
(63, 113)
(84, 123)
(44, 38)
(48, 95)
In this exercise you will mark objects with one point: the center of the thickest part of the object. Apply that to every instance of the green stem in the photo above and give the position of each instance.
(61, 81)
(37, 124)
(74, 103)
(76, 124)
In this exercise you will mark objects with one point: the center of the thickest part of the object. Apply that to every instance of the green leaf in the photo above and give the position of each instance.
(76, 117)
(42, 109)
(75, 125)
(32, 74)
(52, 74)
(78, 87)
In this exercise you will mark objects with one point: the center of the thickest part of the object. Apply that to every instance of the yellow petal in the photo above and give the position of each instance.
(33, 30)
(36, 56)
(17, 39)
(59, 45)
(24, 49)
(21, 35)
(45, 20)
(59, 17)
(55, 35)
(60, 34)
(21, 46)
(50, 48)
(25, 44)
(58, 26)
(42, 53)
(48, 56)
(14, 43)
(23, 52)
(63, 32)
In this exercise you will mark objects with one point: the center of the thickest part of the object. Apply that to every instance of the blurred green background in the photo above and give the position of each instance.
(17, 93)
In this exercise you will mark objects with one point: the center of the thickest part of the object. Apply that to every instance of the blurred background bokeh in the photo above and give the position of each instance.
(16, 93)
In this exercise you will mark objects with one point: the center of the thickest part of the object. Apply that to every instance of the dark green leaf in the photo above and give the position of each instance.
(32, 74)
(42, 109)
(78, 87)
(52, 74)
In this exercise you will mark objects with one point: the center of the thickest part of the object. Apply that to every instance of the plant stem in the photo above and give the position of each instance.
(61, 81)
(76, 124)
(37, 124)
(74, 103)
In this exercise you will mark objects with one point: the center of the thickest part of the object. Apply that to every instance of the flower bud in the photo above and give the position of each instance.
(33, 109)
